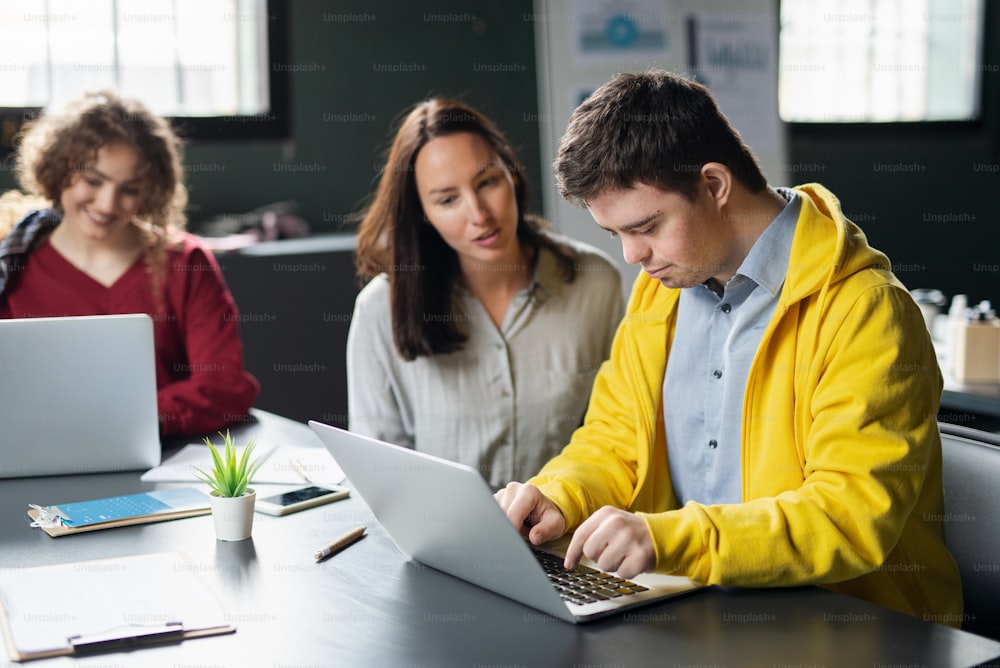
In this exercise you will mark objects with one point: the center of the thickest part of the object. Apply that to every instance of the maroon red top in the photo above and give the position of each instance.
(200, 379)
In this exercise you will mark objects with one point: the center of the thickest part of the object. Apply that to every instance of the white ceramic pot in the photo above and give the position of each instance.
(233, 516)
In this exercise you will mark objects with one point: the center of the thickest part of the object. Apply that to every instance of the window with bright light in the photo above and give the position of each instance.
(880, 60)
(182, 57)
(208, 62)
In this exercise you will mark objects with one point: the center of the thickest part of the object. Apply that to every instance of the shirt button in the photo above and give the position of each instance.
(726, 308)
(717, 373)
(713, 444)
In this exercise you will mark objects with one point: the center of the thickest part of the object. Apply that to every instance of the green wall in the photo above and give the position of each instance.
(355, 67)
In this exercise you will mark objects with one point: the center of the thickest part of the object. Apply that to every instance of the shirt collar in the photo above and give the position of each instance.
(547, 275)
(767, 262)
(545, 278)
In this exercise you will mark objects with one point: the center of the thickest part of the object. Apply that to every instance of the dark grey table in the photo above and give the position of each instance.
(370, 606)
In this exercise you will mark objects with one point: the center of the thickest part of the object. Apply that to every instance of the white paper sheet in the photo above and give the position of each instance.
(44, 606)
(284, 464)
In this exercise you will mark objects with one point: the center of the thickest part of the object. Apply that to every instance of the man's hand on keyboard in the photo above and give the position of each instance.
(617, 540)
(531, 512)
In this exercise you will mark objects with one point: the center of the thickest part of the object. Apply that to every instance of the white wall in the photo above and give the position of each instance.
(569, 67)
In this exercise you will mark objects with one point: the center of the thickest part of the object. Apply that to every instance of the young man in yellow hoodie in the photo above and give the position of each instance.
(768, 415)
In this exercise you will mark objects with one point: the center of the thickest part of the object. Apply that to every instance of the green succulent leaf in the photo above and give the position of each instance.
(229, 475)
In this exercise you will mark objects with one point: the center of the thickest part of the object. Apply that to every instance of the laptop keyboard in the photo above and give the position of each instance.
(584, 584)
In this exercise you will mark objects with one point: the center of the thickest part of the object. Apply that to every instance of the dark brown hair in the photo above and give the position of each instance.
(394, 239)
(655, 128)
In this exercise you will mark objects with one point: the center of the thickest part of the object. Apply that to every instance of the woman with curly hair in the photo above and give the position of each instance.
(99, 230)
(480, 331)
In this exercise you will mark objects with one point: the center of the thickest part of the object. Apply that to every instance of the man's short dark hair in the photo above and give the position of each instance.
(655, 128)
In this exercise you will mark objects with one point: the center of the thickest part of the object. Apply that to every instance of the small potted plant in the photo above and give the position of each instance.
(231, 499)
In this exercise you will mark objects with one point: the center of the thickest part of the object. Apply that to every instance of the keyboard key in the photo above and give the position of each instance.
(584, 584)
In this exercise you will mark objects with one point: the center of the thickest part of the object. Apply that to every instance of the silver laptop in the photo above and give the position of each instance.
(443, 514)
(77, 395)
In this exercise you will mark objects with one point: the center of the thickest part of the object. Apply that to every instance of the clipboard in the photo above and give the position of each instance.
(106, 605)
(67, 519)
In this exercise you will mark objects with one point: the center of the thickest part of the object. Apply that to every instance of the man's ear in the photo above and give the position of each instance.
(719, 181)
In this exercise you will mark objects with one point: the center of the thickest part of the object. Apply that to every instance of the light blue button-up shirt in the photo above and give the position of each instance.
(714, 344)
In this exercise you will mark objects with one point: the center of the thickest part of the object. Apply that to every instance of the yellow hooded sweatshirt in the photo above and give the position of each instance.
(840, 446)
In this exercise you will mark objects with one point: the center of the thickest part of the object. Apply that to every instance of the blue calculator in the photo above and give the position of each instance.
(158, 502)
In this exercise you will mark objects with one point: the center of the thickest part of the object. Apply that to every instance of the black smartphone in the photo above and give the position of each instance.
(299, 499)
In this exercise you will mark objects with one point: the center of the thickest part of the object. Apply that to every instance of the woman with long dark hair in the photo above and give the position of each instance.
(479, 332)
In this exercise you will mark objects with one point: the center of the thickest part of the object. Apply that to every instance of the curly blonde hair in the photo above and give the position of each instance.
(57, 145)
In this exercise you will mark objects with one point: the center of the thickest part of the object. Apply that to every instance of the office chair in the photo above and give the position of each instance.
(971, 461)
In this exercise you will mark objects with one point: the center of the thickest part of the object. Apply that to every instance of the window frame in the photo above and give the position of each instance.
(896, 129)
(275, 124)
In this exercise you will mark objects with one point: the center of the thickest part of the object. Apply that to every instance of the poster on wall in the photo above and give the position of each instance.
(736, 57)
(609, 30)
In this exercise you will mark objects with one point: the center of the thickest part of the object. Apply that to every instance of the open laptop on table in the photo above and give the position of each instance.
(443, 514)
(77, 395)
